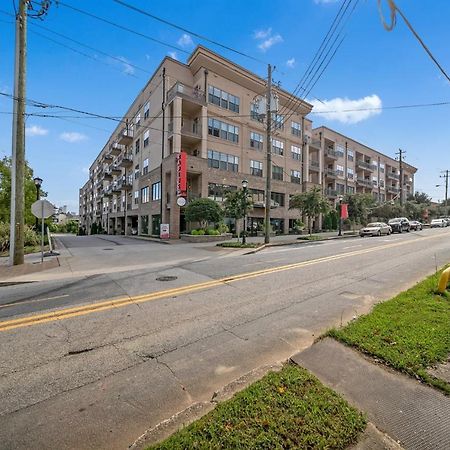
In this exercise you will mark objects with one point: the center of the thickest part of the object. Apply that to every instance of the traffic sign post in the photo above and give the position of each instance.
(42, 209)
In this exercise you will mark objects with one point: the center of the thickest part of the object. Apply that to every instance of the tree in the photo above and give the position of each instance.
(203, 210)
(420, 197)
(387, 211)
(5, 192)
(310, 203)
(236, 204)
(359, 207)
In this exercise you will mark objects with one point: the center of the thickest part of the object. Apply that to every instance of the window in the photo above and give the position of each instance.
(256, 140)
(381, 167)
(255, 114)
(145, 167)
(350, 190)
(296, 129)
(382, 183)
(137, 120)
(156, 191)
(137, 146)
(278, 198)
(339, 170)
(146, 137)
(295, 176)
(340, 150)
(340, 188)
(218, 191)
(277, 147)
(144, 194)
(375, 181)
(136, 171)
(350, 155)
(146, 110)
(350, 173)
(296, 152)
(278, 121)
(223, 130)
(223, 99)
(223, 161)
(256, 168)
(136, 197)
(144, 224)
(277, 173)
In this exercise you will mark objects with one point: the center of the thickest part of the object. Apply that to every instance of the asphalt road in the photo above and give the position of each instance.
(92, 360)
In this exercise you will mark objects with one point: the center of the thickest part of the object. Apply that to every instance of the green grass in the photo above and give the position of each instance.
(311, 238)
(286, 409)
(411, 332)
(28, 250)
(238, 245)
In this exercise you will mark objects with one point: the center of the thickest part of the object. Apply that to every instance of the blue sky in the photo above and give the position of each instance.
(372, 67)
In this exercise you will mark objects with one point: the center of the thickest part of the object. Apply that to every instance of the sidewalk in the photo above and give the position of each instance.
(415, 415)
(32, 265)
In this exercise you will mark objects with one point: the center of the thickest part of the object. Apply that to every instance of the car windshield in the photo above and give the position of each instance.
(394, 221)
(374, 224)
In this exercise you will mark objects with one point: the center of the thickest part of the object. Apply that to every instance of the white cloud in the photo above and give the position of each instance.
(290, 62)
(128, 69)
(35, 130)
(262, 34)
(185, 41)
(173, 55)
(348, 111)
(72, 137)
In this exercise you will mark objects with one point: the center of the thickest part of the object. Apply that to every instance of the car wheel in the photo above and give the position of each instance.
(400, 230)
(407, 230)
(379, 233)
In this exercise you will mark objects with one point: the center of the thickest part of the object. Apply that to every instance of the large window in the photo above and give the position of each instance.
(339, 170)
(255, 114)
(137, 146)
(340, 188)
(137, 120)
(256, 140)
(156, 191)
(382, 167)
(136, 171)
(277, 173)
(350, 173)
(277, 147)
(145, 194)
(146, 110)
(296, 152)
(350, 189)
(256, 168)
(340, 150)
(278, 198)
(223, 99)
(278, 121)
(223, 130)
(145, 167)
(350, 155)
(136, 197)
(296, 128)
(295, 176)
(146, 138)
(223, 161)
(218, 191)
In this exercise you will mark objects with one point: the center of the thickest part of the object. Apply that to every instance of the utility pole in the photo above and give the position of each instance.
(446, 175)
(16, 250)
(163, 141)
(268, 155)
(400, 154)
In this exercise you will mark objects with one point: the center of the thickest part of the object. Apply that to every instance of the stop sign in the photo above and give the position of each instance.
(42, 209)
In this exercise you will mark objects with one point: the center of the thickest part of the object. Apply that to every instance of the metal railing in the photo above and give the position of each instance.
(186, 91)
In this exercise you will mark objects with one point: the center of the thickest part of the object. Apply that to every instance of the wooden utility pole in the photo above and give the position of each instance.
(400, 154)
(16, 250)
(268, 155)
(446, 175)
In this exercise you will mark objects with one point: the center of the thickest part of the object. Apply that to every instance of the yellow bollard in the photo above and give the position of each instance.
(443, 281)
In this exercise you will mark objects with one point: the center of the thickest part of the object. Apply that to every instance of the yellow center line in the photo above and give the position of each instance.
(105, 305)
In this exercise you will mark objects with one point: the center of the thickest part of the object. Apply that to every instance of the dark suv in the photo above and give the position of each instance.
(399, 225)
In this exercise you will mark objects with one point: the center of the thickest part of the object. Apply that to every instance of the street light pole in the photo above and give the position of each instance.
(244, 192)
(38, 184)
(340, 215)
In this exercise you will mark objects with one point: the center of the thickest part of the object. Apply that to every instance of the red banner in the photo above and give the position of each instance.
(344, 211)
(182, 174)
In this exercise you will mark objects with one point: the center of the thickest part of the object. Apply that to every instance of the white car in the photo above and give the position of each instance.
(375, 229)
(438, 223)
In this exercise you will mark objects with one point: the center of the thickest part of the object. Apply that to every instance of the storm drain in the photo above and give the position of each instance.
(166, 278)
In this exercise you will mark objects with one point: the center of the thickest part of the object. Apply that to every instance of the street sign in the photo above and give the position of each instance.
(42, 209)
(164, 231)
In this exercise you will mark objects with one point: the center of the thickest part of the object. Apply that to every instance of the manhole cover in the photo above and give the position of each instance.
(166, 278)
(108, 249)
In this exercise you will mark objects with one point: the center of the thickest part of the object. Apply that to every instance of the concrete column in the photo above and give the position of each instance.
(306, 159)
(177, 112)
(204, 122)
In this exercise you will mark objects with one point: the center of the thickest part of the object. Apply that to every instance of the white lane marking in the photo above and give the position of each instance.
(9, 305)
(352, 246)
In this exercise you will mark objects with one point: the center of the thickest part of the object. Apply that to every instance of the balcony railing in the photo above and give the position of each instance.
(115, 169)
(314, 165)
(364, 182)
(180, 89)
(191, 128)
(116, 149)
(331, 173)
(125, 183)
(331, 192)
(331, 153)
(393, 190)
(125, 136)
(393, 175)
(126, 160)
(361, 164)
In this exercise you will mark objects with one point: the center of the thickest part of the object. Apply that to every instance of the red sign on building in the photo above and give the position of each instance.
(182, 174)
(344, 211)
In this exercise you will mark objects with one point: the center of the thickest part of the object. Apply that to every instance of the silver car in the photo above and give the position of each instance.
(375, 229)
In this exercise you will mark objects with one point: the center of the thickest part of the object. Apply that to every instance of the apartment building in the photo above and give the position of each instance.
(213, 138)
(351, 167)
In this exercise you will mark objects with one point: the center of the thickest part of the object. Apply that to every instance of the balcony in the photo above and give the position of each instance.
(125, 183)
(191, 128)
(125, 136)
(315, 144)
(108, 192)
(115, 188)
(331, 193)
(330, 173)
(393, 190)
(116, 149)
(361, 164)
(107, 157)
(330, 153)
(115, 169)
(314, 165)
(125, 160)
(186, 92)
(108, 175)
(393, 175)
(364, 182)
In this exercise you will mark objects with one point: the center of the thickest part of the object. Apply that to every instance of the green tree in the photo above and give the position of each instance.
(310, 203)
(359, 207)
(203, 210)
(236, 204)
(387, 211)
(420, 197)
(5, 192)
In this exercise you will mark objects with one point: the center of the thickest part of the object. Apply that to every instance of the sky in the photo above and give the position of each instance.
(372, 68)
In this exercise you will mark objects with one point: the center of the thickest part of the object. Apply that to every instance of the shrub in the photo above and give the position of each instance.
(212, 232)
(194, 233)
(200, 232)
(31, 238)
(4, 236)
(223, 228)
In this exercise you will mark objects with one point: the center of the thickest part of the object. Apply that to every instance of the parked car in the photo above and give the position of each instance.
(447, 219)
(399, 225)
(415, 225)
(375, 229)
(438, 223)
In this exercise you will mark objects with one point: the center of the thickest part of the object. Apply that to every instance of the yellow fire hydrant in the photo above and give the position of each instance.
(443, 281)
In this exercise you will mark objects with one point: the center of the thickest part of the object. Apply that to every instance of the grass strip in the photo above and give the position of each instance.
(411, 332)
(238, 245)
(286, 409)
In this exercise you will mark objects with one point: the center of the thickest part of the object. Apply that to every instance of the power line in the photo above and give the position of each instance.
(178, 27)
